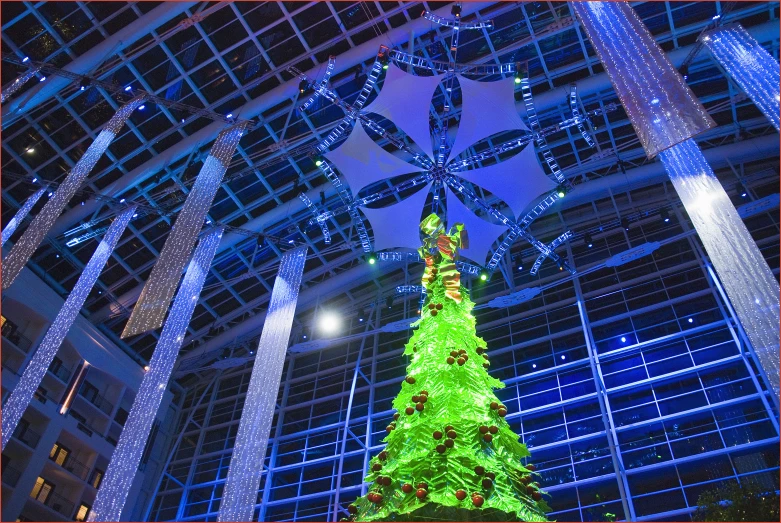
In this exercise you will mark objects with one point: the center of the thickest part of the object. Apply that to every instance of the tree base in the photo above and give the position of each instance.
(434, 512)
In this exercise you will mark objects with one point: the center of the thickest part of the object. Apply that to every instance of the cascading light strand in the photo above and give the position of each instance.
(249, 452)
(17, 84)
(115, 487)
(20, 215)
(149, 311)
(33, 374)
(745, 275)
(749, 64)
(662, 108)
(43, 221)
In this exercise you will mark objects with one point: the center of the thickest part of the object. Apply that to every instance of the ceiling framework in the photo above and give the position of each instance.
(218, 58)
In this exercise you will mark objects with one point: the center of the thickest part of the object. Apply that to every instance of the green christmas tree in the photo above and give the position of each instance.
(450, 455)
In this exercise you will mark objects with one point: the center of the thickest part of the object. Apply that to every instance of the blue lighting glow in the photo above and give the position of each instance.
(20, 215)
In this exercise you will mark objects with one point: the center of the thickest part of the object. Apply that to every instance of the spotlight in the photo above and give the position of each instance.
(716, 17)
(389, 302)
(121, 200)
(625, 223)
(563, 357)
(684, 70)
(588, 240)
(42, 79)
(128, 88)
(30, 150)
(456, 10)
(25, 59)
(534, 365)
(560, 265)
(329, 322)
(517, 72)
(691, 320)
(84, 83)
(141, 107)
(146, 368)
(229, 115)
(623, 339)
(303, 85)
(741, 190)
(372, 259)
(484, 275)
(562, 190)
(318, 161)
(361, 315)
(35, 180)
(664, 214)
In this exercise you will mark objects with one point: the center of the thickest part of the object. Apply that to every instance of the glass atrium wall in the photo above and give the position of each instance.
(684, 409)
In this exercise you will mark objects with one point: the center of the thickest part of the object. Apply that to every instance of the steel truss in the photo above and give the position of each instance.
(438, 173)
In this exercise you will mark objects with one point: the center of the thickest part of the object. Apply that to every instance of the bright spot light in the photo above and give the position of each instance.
(623, 339)
(122, 200)
(35, 180)
(229, 115)
(25, 59)
(146, 368)
(534, 365)
(329, 322)
(128, 88)
(716, 17)
(563, 357)
(30, 150)
(141, 107)
(655, 101)
(517, 79)
(483, 276)
(691, 320)
(42, 78)
(372, 261)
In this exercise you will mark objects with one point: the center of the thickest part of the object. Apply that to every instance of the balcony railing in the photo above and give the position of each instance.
(75, 467)
(11, 476)
(60, 372)
(27, 436)
(59, 504)
(99, 401)
(17, 338)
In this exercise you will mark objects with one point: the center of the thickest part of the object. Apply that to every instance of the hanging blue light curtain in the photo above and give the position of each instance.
(666, 115)
(149, 311)
(23, 211)
(43, 221)
(749, 64)
(122, 468)
(249, 452)
(17, 84)
(36, 368)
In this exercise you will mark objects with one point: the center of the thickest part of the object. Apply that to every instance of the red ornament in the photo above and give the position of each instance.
(383, 455)
(450, 360)
(466, 357)
(449, 428)
(396, 416)
(352, 509)
(434, 312)
(485, 356)
(377, 467)
(461, 361)
(529, 490)
(490, 475)
(483, 429)
(486, 365)
(460, 494)
(370, 496)
(441, 448)
(493, 429)
(415, 399)
(409, 411)
(454, 353)
(421, 493)
(437, 434)
(531, 467)
(423, 399)
(406, 488)
(431, 306)
(410, 380)
(479, 470)
(488, 438)
(389, 428)
(494, 405)
(479, 350)
(502, 412)
(487, 483)
(449, 443)
(419, 407)
(536, 496)
(478, 500)
(451, 434)
(439, 306)
(378, 498)
(424, 392)
(526, 480)
(422, 485)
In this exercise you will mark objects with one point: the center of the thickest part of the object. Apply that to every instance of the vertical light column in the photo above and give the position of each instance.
(35, 233)
(666, 115)
(31, 378)
(122, 468)
(246, 467)
(662, 108)
(11, 227)
(749, 64)
(17, 84)
(156, 295)
(748, 281)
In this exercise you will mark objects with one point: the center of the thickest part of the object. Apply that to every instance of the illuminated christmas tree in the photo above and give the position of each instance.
(449, 454)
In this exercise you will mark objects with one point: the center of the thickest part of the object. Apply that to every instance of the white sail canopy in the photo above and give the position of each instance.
(517, 181)
(398, 225)
(487, 108)
(405, 100)
(482, 234)
(362, 162)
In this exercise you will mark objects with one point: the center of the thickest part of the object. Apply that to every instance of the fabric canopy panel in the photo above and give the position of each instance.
(405, 100)
(363, 162)
(488, 108)
(398, 225)
(482, 234)
(517, 181)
